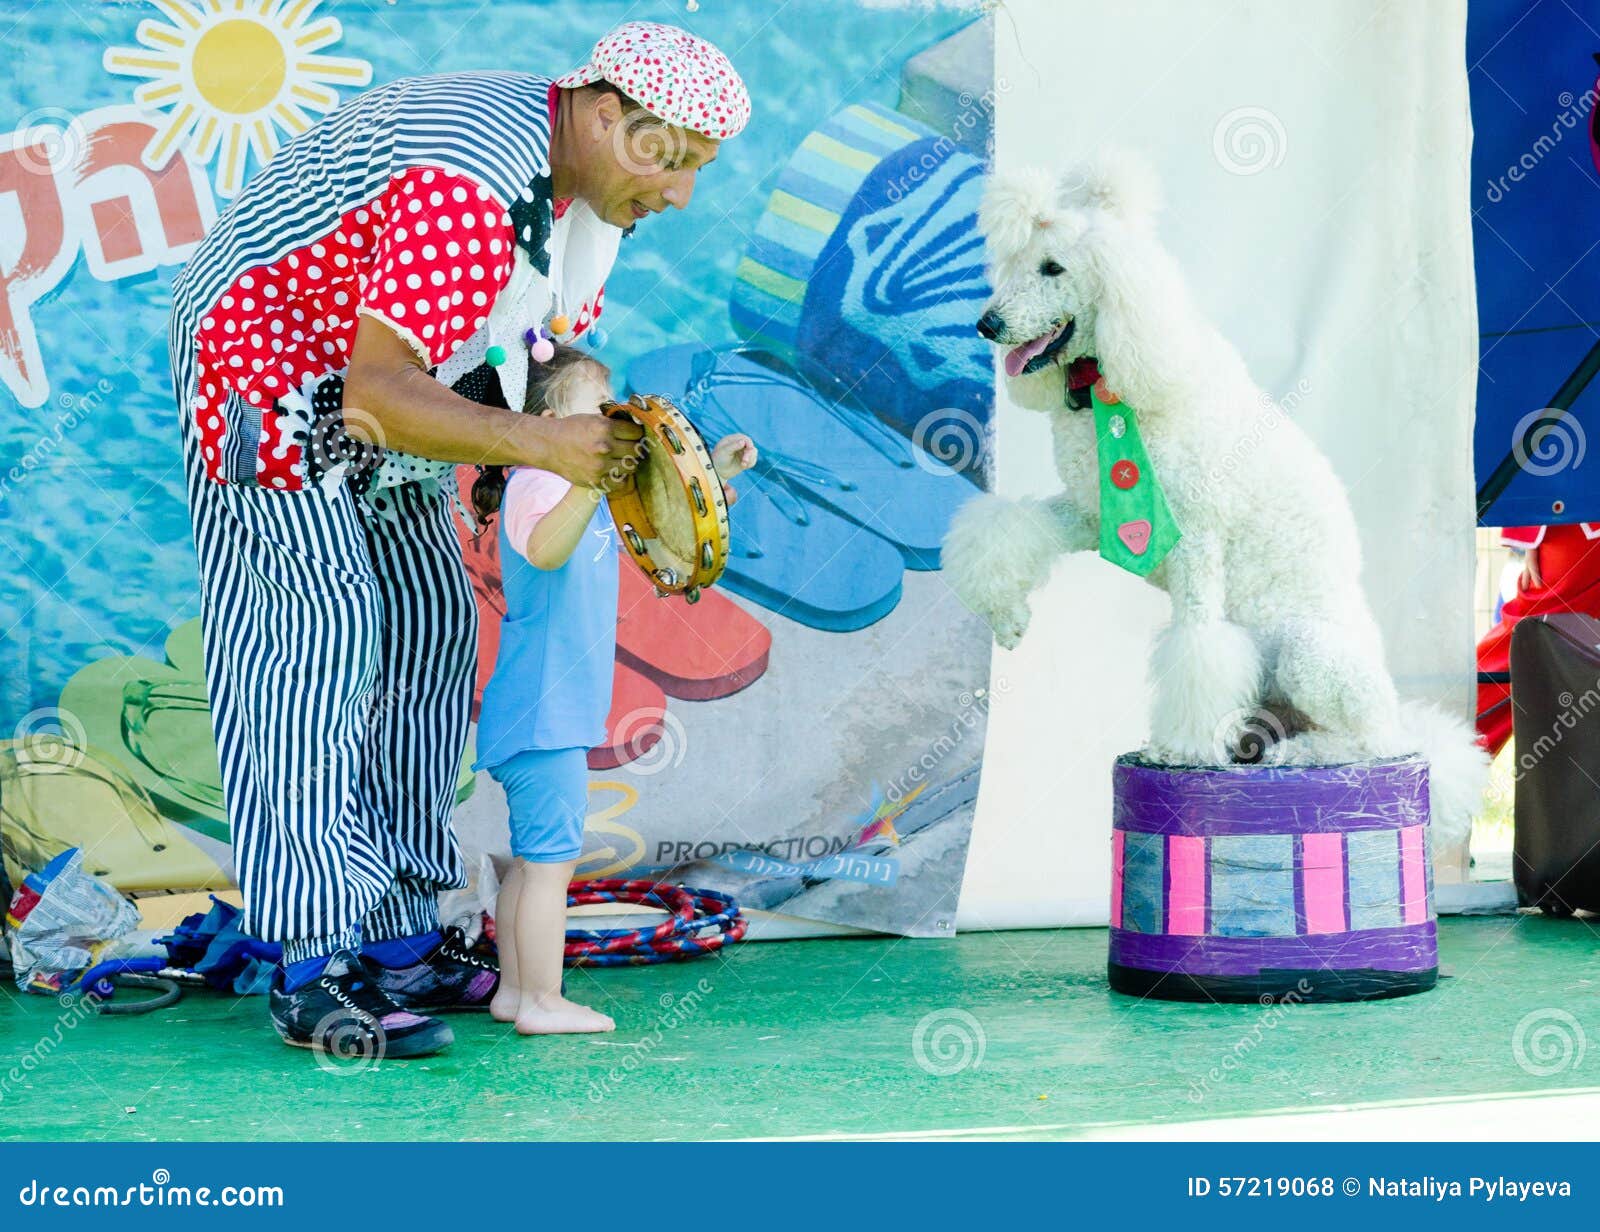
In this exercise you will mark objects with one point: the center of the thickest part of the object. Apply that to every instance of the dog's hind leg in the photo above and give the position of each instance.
(1334, 676)
(1205, 670)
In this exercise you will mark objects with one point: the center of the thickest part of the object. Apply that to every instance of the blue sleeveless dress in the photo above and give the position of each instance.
(551, 687)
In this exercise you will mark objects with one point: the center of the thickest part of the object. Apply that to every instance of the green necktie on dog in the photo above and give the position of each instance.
(1137, 528)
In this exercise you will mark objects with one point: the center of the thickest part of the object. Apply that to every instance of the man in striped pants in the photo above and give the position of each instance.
(404, 243)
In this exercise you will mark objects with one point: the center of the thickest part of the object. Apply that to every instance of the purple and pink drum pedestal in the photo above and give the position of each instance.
(1250, 882)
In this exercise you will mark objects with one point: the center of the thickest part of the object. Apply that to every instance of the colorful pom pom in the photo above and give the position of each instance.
(559, 324)
(542, 351)
(596, 336)
(495, 356)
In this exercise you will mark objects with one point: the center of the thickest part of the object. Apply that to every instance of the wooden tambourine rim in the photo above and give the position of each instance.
(663, 422)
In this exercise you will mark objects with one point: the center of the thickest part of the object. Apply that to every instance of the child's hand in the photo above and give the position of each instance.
(733, 454)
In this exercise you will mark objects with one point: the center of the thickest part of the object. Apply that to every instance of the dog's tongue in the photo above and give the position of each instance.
(1017, 358)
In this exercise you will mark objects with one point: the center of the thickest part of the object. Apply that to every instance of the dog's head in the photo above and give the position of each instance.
(1059, 248)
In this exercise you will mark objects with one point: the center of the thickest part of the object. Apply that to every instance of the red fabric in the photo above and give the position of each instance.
(1569, 568)
(429, 256)
(1083, 372)
(444, 254)
(1522, 536)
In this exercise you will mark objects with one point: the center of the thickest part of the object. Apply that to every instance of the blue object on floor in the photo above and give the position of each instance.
(212, 945)
(816, 441)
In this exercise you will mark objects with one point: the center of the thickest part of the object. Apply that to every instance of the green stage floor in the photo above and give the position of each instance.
(822, 1038)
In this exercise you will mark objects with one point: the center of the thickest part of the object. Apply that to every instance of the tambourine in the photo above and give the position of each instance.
(671, 510)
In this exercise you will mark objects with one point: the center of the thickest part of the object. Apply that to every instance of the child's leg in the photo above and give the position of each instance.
(541, 935)
(547, 791)
(508, 997)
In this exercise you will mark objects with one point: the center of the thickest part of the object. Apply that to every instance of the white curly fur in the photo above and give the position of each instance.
(1269, 627)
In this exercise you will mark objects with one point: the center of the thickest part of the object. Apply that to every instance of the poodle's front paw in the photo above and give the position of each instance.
(1007, 617)
(1009, 623)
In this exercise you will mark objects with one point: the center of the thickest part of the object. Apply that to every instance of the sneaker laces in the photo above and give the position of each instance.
(352, 987)
(454, 947)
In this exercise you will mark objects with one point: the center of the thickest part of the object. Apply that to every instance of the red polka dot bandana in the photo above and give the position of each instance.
(675, 76)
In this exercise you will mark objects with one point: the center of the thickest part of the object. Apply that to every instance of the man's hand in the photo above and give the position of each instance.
(587, 449)
(1532, 579)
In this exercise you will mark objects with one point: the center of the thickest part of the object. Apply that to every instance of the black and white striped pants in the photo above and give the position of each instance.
(340, 648)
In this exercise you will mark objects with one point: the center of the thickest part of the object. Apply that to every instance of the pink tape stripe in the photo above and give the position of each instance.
(1186, 884)
(1413, 877)
(1116, 879)
(1324, 883)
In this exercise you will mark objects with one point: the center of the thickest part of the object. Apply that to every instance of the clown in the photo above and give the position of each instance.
(352, 329)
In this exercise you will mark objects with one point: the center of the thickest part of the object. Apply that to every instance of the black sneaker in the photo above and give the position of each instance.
(454, 976)
(345, 1013)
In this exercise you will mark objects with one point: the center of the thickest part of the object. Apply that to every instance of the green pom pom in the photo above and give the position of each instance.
(495, 356)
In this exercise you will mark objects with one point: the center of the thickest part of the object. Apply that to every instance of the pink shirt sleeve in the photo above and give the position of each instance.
(530, 494)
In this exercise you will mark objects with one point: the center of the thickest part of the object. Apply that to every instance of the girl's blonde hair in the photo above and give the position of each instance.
(547, 383)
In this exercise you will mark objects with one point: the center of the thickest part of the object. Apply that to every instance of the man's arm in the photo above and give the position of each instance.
(416, 414)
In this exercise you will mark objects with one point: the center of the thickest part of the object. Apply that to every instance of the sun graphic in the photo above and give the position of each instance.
(233, 76)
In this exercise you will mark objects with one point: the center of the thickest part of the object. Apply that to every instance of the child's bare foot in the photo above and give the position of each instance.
(507, 1001)
(558, 1016)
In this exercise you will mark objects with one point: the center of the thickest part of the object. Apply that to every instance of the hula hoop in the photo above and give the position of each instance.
(690, 913)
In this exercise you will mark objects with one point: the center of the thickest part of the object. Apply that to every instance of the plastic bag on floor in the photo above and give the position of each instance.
(63, 920)
(470, 907)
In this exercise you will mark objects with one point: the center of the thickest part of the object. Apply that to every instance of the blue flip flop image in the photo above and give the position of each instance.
(801, 561)
(816, 441)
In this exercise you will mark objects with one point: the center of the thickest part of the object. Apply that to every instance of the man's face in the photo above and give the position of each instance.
(644, 165)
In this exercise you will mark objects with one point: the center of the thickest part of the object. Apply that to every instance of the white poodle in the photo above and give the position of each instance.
(1271, 642)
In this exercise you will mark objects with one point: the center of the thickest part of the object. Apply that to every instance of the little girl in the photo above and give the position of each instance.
(546, 704)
